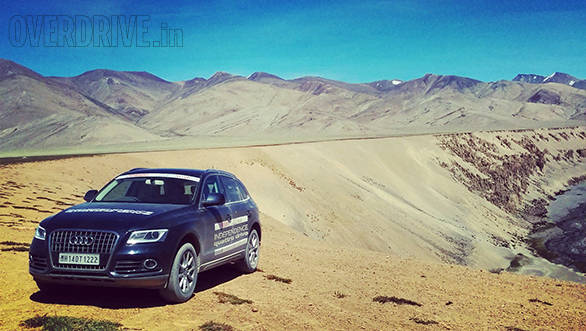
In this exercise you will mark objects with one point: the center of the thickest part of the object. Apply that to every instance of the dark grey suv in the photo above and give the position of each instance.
(150, 228)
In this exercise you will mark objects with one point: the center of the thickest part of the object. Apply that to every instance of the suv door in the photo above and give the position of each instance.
(214, 217)
(236, 198)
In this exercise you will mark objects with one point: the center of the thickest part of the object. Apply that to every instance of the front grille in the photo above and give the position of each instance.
(84, 242)
(101, 243)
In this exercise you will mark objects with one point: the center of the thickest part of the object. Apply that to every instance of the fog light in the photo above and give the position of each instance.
(150, 264)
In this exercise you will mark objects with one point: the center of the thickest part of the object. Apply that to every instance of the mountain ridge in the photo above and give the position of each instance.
(145, 107)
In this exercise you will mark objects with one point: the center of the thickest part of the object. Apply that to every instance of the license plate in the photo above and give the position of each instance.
(85, 259)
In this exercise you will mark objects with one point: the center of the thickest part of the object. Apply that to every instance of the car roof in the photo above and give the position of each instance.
(181, 171)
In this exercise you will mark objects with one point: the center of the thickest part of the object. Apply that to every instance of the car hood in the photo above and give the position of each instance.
(112, 216)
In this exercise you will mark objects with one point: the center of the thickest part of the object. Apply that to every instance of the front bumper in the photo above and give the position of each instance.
(152, 282)
(123, 269)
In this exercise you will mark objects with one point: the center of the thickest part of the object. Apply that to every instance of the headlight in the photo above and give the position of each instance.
(147, 236)
(40, 233)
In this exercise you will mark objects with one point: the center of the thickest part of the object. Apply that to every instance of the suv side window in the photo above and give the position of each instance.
(242, 189)
(233, 191)
(211, 185)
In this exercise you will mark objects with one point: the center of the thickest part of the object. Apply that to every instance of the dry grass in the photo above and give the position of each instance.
(399, 301)
(339, 295)
(15, 249)
(278, 279)
(69, 323)
(13, 243)
(14, 246)
(422, 321)
(232, 299)
(215, 326)
(539, 301)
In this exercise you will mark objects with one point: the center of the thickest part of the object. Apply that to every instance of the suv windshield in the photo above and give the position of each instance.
(149, 190)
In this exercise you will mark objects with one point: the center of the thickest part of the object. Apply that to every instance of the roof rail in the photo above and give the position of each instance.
(211, 170)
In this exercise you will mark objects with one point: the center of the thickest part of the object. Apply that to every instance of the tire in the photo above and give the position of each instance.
(183, 276)
(250, 261)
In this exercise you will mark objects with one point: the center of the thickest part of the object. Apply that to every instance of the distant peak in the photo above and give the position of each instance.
(97, 71)
(557, 73)
(220, 74)
(560, 77)
(438, 82)
(529, 78)
(385, 84)
(220, 77)
(196, 79)
(260, 75)
(9, 68)
(97, 74)
(556, 77)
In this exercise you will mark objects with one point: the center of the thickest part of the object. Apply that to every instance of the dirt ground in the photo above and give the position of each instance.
(332, 286)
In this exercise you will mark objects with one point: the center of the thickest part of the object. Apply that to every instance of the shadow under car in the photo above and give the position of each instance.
(118, 298)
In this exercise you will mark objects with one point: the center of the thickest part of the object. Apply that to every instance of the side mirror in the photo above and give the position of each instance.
(214, 199)
(90, 195)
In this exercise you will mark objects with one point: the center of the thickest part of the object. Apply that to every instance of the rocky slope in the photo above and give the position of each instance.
(520, 172)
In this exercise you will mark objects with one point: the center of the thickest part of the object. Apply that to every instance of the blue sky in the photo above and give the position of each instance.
(353, 41)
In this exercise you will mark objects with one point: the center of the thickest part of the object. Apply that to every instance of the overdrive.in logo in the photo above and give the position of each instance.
(89, 31)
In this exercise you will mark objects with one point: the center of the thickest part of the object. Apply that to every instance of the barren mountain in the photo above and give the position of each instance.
(312, 104)
(36, 111)
(130, 94)
(115, 106)
(243, 108)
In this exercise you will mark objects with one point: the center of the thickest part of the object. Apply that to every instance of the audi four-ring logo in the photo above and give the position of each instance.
(81, 240)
